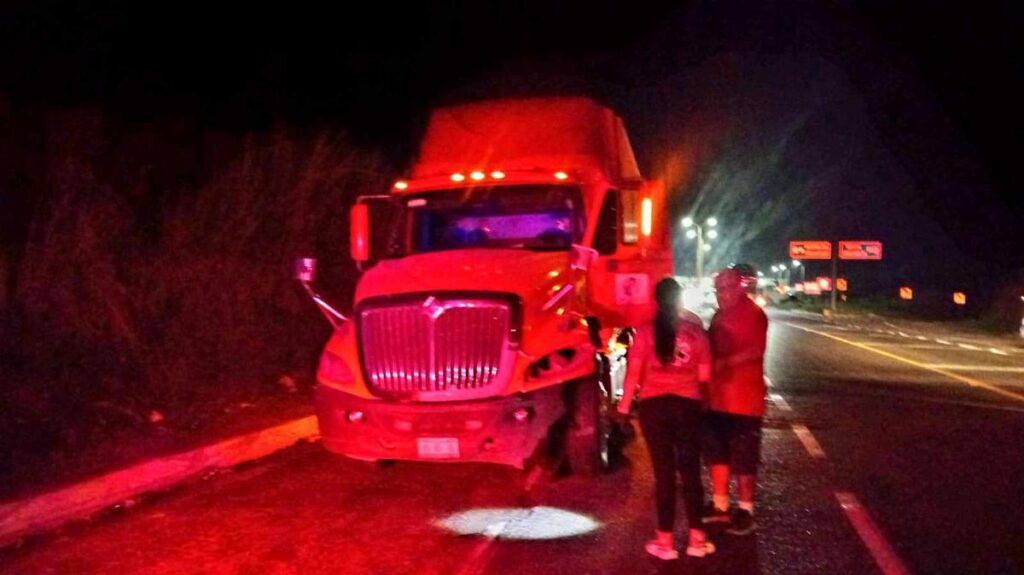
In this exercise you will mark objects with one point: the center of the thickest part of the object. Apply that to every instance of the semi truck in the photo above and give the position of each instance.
(499, 280)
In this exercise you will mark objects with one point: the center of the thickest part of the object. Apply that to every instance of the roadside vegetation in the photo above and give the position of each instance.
(151, 295)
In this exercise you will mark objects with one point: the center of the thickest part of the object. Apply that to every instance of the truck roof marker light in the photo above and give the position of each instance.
(555, 273)
(646, 215)
(401, 185)
(498, 175)
(476, 176)
(458, 177)
(561, 176)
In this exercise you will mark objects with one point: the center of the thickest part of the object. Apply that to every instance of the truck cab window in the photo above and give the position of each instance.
(630, 227)
(606, 237)
(534, 217)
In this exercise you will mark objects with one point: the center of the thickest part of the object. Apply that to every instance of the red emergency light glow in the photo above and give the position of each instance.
(646, 215)
(359, 232)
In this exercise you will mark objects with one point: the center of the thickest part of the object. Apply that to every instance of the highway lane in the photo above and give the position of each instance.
(927, 433)
(871, 464)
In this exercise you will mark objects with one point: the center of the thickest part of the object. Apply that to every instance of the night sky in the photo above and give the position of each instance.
(785, 120)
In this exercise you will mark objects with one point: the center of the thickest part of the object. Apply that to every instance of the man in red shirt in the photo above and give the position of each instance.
(738, 335)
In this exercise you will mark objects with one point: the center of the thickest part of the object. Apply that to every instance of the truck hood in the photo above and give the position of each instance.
(533, 276)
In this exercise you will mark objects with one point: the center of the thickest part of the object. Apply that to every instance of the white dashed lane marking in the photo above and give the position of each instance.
(883, 553)
(780, 402)
(810, 443)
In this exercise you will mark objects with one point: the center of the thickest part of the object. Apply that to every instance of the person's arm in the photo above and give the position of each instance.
(704, 363)
(636, 366)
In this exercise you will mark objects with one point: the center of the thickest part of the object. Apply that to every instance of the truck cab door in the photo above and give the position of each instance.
(631, 258)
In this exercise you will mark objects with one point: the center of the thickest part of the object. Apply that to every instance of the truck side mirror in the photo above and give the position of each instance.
(582, 257)
(305, 269)
(359, 232)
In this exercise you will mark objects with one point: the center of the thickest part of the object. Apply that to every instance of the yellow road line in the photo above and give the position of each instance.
(955, 376)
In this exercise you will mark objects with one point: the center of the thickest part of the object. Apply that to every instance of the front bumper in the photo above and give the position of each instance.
(480, 430)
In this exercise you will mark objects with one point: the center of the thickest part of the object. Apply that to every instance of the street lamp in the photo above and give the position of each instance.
(695, 230)
(783, 272)
(797, 264)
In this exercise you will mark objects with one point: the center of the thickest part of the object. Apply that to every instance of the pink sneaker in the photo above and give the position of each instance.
(701, 549)
(661, 551)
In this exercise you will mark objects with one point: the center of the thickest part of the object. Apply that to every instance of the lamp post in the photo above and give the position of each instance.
(781, 273)
(798, 264)
(695, 230)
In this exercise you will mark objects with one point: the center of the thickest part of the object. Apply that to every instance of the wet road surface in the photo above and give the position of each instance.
(884, 453)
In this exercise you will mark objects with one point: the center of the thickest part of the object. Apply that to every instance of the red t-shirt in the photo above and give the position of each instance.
(738, 339)
(690, 365)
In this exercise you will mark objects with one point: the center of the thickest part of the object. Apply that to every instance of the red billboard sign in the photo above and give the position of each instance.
(810, 250)
(860, 250)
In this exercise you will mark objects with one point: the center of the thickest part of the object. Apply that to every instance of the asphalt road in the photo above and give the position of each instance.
(887, 449)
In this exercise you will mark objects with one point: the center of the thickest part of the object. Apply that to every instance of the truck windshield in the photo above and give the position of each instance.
(535, 217)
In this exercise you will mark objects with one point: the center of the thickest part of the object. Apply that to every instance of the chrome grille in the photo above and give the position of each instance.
(435, 349)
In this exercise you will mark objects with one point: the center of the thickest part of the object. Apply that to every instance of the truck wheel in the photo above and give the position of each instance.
(587, 445)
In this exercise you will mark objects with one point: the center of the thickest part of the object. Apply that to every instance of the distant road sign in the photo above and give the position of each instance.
(860, 250)
(841, 284)
(810, 250)
(906, 293)
(959, 298)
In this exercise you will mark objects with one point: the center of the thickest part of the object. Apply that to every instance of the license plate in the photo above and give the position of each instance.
(437, 447)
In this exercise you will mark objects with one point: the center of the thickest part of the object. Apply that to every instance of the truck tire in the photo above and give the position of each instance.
(587, 442)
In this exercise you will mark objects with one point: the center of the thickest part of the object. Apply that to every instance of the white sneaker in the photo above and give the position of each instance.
(661, 551)
(702, 549)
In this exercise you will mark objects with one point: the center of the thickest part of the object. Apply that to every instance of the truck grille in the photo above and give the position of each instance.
(435, 349)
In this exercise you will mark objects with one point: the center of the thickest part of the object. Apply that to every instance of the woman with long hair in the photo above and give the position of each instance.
(668, 370)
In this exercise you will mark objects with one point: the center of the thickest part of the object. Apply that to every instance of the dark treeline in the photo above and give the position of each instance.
(147, 266)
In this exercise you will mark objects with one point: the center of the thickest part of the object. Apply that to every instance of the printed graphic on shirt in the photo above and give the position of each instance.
(683, 352)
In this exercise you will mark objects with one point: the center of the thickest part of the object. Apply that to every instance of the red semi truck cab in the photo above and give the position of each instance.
(522, 241)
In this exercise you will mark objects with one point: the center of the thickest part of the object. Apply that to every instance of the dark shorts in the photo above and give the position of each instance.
(733, 440)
